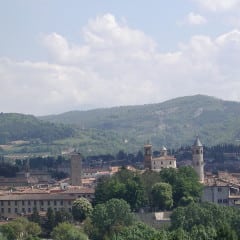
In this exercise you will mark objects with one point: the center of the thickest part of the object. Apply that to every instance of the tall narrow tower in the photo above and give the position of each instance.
(147, 156)
(76, 169)
(197, 161)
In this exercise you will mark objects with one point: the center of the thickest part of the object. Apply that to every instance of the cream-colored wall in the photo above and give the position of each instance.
(157, 164)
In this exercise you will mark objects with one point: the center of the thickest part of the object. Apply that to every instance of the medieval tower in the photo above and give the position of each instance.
(147, 156)
(76, 169)
(197, 159)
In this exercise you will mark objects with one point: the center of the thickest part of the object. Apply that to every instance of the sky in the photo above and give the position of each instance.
(58, 56)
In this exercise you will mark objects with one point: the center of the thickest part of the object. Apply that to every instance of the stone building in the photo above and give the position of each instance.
(197, 159)
(223, 189)
(75, 169)
(17, 204)
(160, 162)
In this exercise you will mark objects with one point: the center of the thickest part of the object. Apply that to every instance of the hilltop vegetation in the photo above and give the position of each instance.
(15, 127)
(173, 123)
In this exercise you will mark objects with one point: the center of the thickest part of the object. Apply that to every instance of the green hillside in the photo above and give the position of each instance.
(14, 126)
(172, 123)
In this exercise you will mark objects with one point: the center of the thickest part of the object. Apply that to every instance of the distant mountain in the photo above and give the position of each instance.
(172, 123)
(14, 126)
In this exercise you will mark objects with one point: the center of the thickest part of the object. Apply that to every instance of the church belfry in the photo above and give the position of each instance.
(197, 159)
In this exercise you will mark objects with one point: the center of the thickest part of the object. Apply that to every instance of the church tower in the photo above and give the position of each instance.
(197, 159)
(147, 156)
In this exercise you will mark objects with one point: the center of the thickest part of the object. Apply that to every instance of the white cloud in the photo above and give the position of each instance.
(219, 5)
(195, 19)
(117, 65)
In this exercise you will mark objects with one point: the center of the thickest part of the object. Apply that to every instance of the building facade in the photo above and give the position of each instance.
(13, 205)
(160, 162)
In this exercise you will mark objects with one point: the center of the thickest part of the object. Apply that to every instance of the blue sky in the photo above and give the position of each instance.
(57, 56)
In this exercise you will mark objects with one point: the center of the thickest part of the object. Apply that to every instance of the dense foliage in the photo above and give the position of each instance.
(213, 221)
(178, 187)
(20, 229)
(125, 185)
(15, 126)
(81, 209)
(66, 231)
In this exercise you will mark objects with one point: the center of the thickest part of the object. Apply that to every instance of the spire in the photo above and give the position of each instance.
(197, 142)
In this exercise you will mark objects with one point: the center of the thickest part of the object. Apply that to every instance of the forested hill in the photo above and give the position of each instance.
(173, 123)
(14, 126)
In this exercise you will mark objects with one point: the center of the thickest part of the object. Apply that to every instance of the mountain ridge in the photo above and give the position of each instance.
(175, 122)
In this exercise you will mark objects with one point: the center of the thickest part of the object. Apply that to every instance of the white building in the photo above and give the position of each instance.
(158, 163)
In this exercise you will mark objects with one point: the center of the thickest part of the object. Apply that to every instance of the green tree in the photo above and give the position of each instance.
(179, 234)
(225, 232)
(81, 209)
(66, 231)
(35, 217)
(140, 231)
(50, 221)
(207, 219)
(110, 217)
(185, 184)
(62, 216)
(20, 229)
(125, 185)
(162, 196)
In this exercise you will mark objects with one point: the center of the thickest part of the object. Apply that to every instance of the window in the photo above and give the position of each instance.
(225, 200)
(9, 210)
(29, 202)
(219, 200)
(48, 203)
(23, 202)
(35, 202)
(161, 163)
(170, 163)
(197, 151)
(2, 210)
(9, 203)
(55, 202)
(41, 202)
(219, 189)
(23, 210)
(2, 203)
(16, 210)
(16, 202)
(29, 210)
(61, 202)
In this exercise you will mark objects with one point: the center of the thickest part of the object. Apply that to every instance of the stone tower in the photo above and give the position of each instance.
(147, 156)
(76, 169)
(197, 161)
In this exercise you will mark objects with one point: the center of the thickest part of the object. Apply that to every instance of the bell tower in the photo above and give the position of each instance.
(197, 159)
(147, 156)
